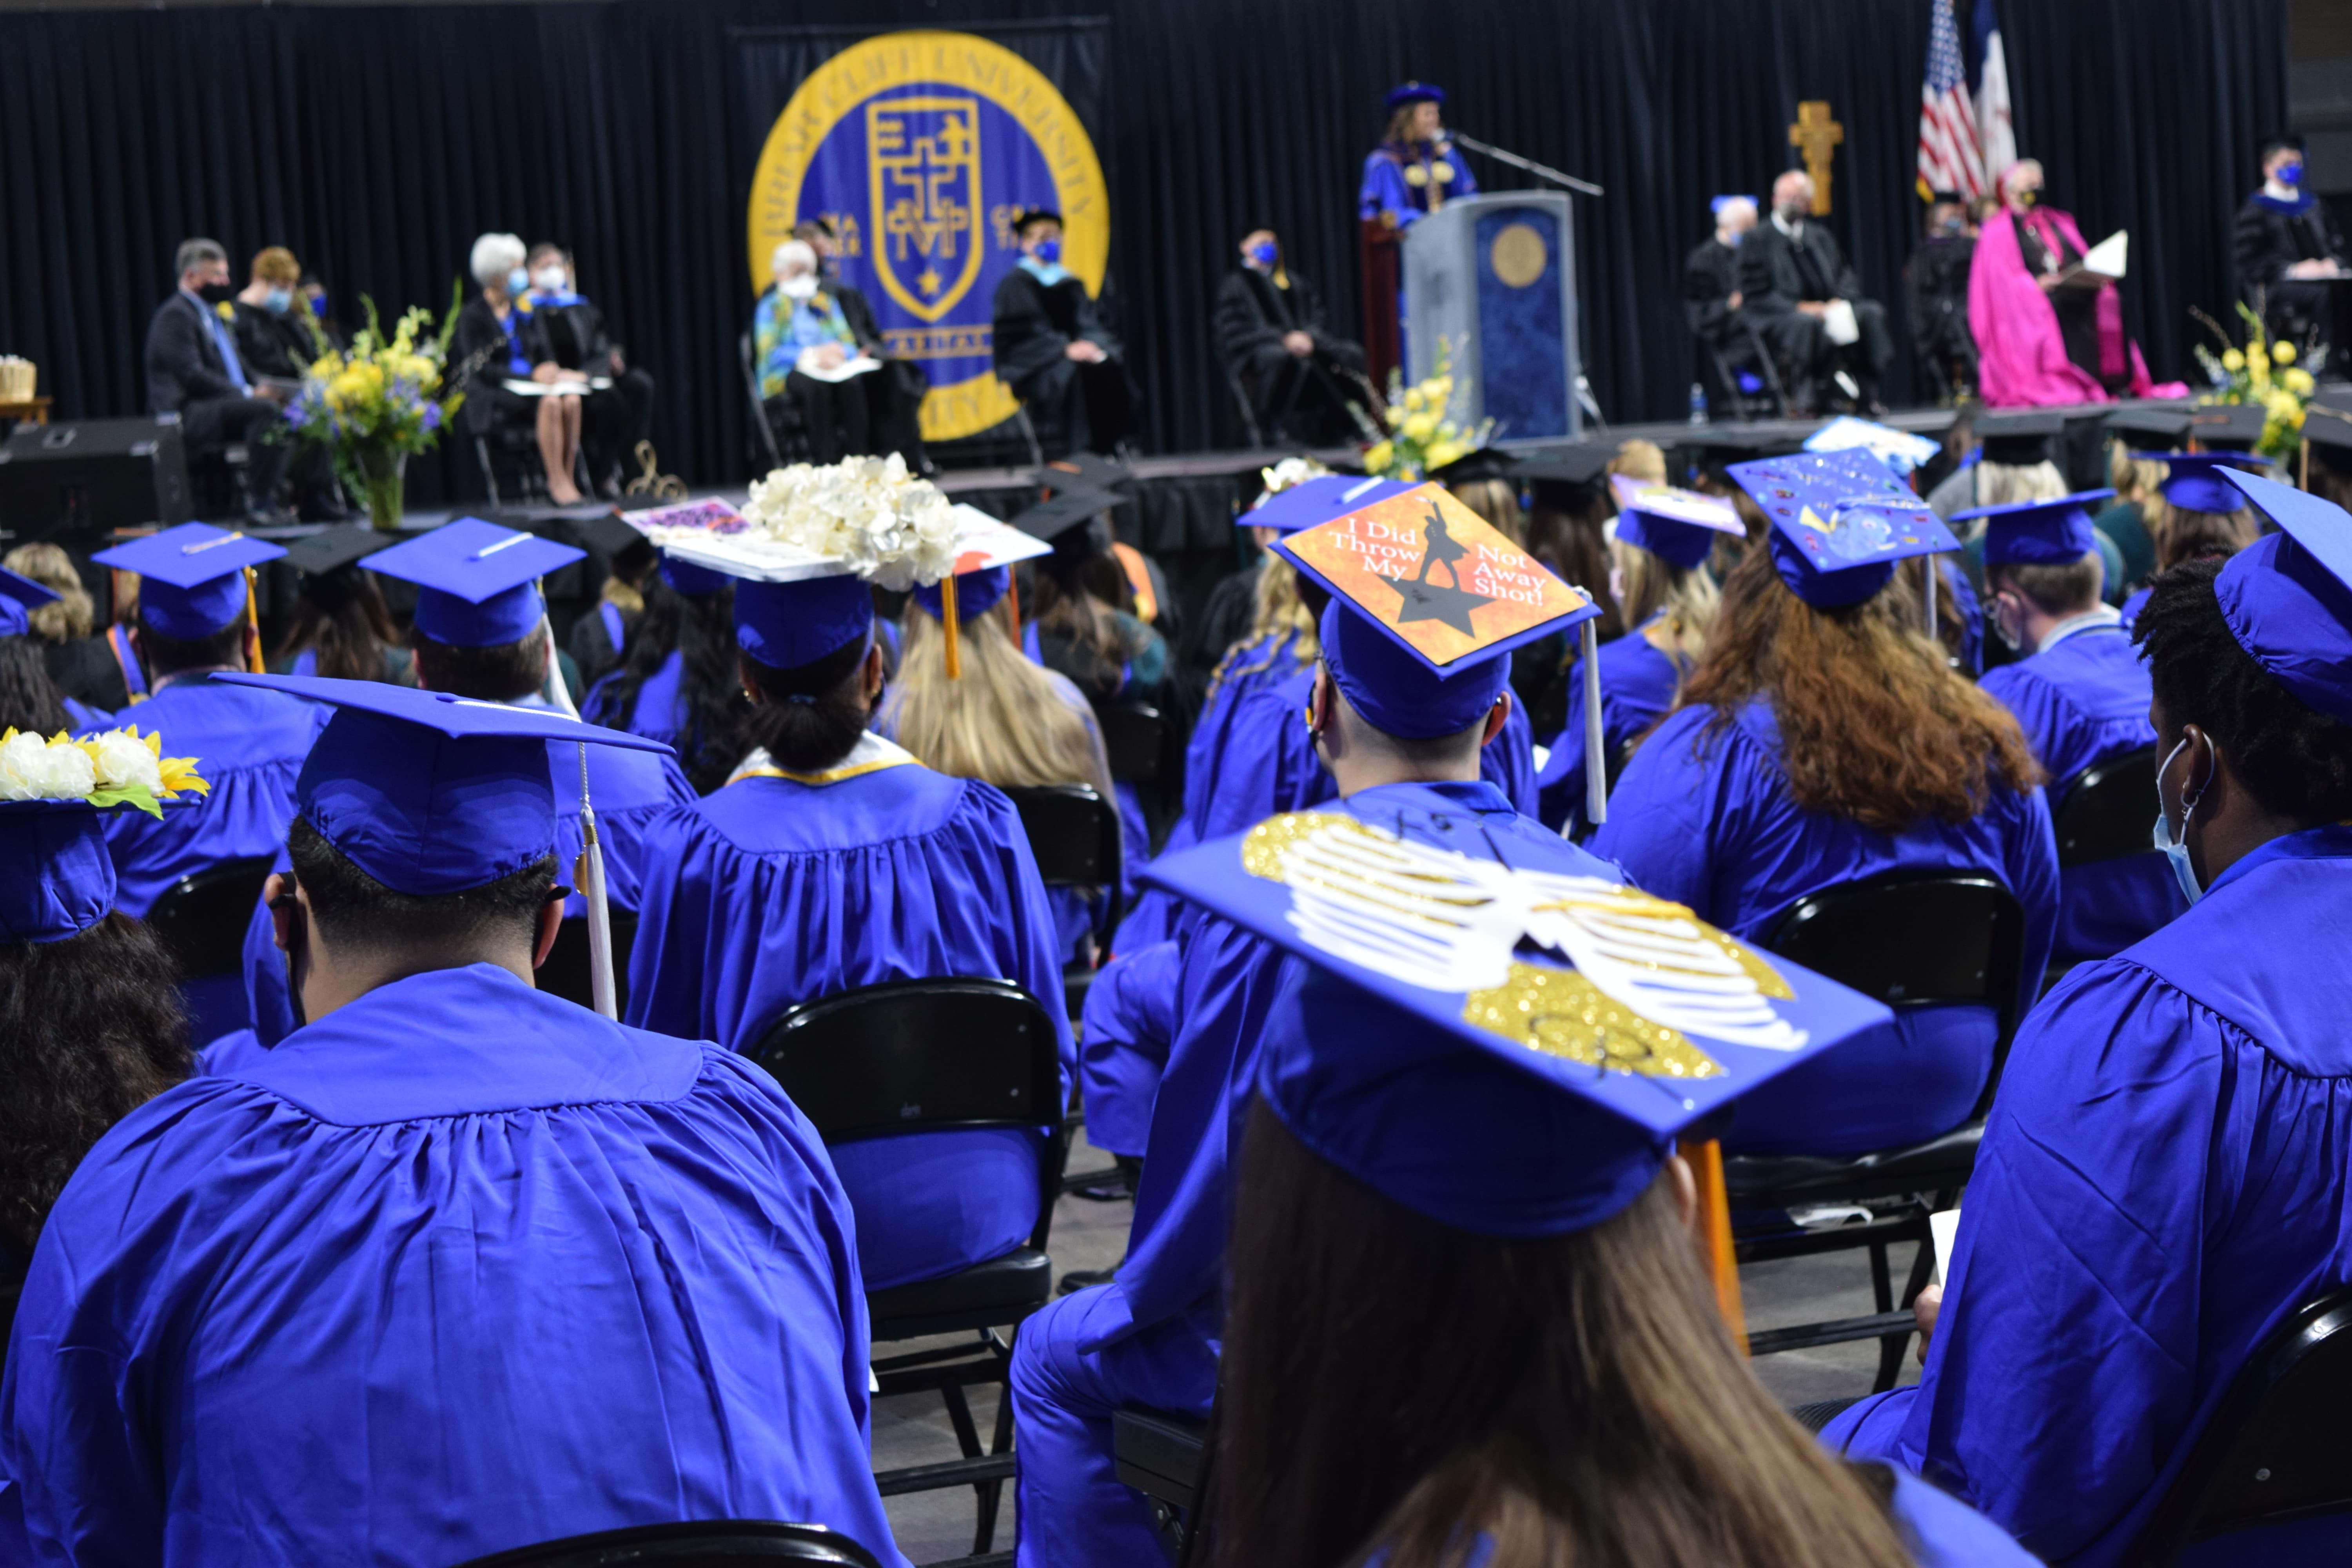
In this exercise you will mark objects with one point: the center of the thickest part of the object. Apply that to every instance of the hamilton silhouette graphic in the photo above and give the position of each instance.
(1426, 601)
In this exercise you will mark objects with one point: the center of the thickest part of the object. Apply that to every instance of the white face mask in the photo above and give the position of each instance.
(801, 286)
(548, 279)
(2176, 850)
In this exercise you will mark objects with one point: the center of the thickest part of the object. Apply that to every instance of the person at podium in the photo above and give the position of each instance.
(2046, 331)
(1413, 172)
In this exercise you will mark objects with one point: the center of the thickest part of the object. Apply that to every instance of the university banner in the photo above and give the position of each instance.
(918, 148)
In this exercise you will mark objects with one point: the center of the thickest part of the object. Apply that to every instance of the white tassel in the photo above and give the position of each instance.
(1930, 562)
(589, 873)
(1596, 761)
(557, 695)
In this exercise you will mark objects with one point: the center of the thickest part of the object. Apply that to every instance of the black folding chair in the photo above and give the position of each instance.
(1074, 836)
(1910, 940)
(689, 1545)
(2277, 1450)
(2101, 812)
(565, 972)
(1170, 1459)
(201, 918)
(771, 441)
(938, 1056)
(1133, 736)
(1252, 436)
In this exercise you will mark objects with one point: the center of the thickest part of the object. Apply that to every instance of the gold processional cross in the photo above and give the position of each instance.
(1815, 134)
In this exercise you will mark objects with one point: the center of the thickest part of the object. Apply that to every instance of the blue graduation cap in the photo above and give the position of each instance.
(479, 582)
(1317, 500)
(686, 577)
(787, 624)
(18, 597)
(191, 578)
(1840, 522)
(1678, 526)
(55, 876)
(1413, 92)
(977, 592)
(1427, 601)
(1486, 1033)
(2195, 480)
(2287, 597)
(426, 792)
(1717, 203)
(2039, 533)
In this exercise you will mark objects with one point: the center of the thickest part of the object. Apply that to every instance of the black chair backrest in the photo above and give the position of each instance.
(749, 358)
(2278, 1449)
(565, 972)
(1913, 938)
(2103, 813)
(689, 1545)
(1074, 836)
(201, 918)
(1133, 734)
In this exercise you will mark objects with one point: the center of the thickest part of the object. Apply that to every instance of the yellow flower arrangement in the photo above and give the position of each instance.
(373, 403)
(114, 767)
(2245, 374)
(1423, 435)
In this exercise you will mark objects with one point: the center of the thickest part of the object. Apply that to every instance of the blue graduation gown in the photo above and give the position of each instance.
(1707, 820)
(2164, 1177)
(1963, 595)
(1384, 191)
(2133, 601)
(2081, 700)
(659, 712)
(630, 790)
(1129, 1021)
(1637, 686)
(1152, 1335)
(771, 892)
(458, 1267)
(248, 744)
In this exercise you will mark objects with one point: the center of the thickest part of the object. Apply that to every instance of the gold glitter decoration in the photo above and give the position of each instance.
(1262, 847)
(1623, 903)
(1562, 1014)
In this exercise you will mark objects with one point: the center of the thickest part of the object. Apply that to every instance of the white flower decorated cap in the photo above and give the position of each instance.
(55, 876)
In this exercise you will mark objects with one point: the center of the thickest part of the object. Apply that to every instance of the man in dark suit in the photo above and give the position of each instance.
(1301, 378)
(194, 371)
(1051, 347)
(1794, 279)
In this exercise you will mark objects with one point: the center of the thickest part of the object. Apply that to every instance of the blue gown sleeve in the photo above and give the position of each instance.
(1972, 615)
(623, 833)
(1269, 765)
(1670, 805)
(1383, 191)
(2030, 856)
(265, 991)
(1560, 786)
(1509, 763)
(1465, 182)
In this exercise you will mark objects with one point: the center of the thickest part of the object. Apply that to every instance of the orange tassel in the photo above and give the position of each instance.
(254, 664)
(1013, 599)
(1714, 1219)
(948, 618)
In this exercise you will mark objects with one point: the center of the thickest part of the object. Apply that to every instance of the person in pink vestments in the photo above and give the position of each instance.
(2041, 342)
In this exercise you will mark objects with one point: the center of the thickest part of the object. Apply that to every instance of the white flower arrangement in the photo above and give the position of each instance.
(1284, 475)
(889, 526)
(117, 768)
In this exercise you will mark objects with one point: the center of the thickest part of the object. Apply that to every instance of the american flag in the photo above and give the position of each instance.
(1949, 156)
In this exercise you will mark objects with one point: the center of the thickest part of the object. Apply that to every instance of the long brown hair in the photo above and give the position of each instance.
(342, 616)
(1583, 1403)
(1876, 727)
(1001, 721)
(2182, 534)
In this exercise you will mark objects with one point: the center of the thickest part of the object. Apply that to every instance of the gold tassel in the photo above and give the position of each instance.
(253, 660)
(948, 618)
(1714, 1219)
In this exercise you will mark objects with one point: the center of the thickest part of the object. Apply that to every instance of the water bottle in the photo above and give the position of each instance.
(1698, 404)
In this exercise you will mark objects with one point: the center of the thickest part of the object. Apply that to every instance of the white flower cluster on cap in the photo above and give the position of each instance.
(882, 523)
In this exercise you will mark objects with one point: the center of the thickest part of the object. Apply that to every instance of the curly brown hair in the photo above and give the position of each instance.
(1875, 726)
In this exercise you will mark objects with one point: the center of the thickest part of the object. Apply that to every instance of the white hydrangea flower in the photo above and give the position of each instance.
(887, 525)
(33, 768)
(123, 760)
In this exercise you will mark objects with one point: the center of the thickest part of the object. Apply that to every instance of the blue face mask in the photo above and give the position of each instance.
(1049, 251)
(518, 282)
(319, 306)
(2176, 850)
(1263, 254)
(2290, 173)
(277, 301)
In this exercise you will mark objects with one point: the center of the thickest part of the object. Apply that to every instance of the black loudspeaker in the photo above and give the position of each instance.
(74, 484)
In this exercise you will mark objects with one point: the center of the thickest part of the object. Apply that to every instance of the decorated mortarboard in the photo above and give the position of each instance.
(1678, 526)
(2039, 533)
(2228, 427)
(1426, 597)
(1899, 449)
(983, 574)
(2018, 439)
(1489, 1033)
(2195, 480)
(191, 581)
(609, 534)
(2287, 597)
(1413, 92)
(56, 877)
(1286, 475)
(478, 583)
(332, 549)
(2151, 424)
(19, 596)
(1083, 469)
(1840, 522)
(1484, 463)
(1317, 500)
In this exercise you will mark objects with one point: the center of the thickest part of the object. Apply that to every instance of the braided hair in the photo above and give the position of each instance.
(2295, 763)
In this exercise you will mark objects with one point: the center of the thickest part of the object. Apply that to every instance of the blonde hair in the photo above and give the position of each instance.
(2002, 484)
(1640, 460)
(1687, 596)
(277, 265)
(1497, 500)
(1003, 722)
(73, 613)
(1280, 614)
(2135, 479)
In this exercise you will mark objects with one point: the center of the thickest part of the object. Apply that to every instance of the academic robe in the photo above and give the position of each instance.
(1710, 277)
(1637, 687)
(630, 791)
(457, 1268)
(2270, 235)
(776, 890)
(2163, 1178)
(2022, 358)
(2083, 699)
(1129, 1021)
(1399, 180)
(1034, 323)
(1152, 1335)
(1706, 819)
(248, 744)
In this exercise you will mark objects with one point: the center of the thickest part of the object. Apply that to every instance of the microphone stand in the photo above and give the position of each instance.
(1540, 171)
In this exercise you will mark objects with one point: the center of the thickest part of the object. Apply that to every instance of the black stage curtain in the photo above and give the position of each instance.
(377, 142)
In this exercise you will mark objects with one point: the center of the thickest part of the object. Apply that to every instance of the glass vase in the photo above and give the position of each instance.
(383, 479)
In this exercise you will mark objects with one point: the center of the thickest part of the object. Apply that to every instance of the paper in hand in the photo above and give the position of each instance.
(806, 364)
(2108, 257)
(1943, 1228)
(1838, 322)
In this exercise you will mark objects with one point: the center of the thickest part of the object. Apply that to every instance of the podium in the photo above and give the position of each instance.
(1493, 278)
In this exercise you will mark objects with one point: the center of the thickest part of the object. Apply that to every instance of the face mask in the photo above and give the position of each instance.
(1263, 254)
(1049, 251)
(549, 279)
(2025, 198)
(2290, 173)
(518, 282)
(2172, 849)
(214, 293)
(1793, 212)
(277, 301)
(800, 286)
(1953, 227)
(319, 306)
